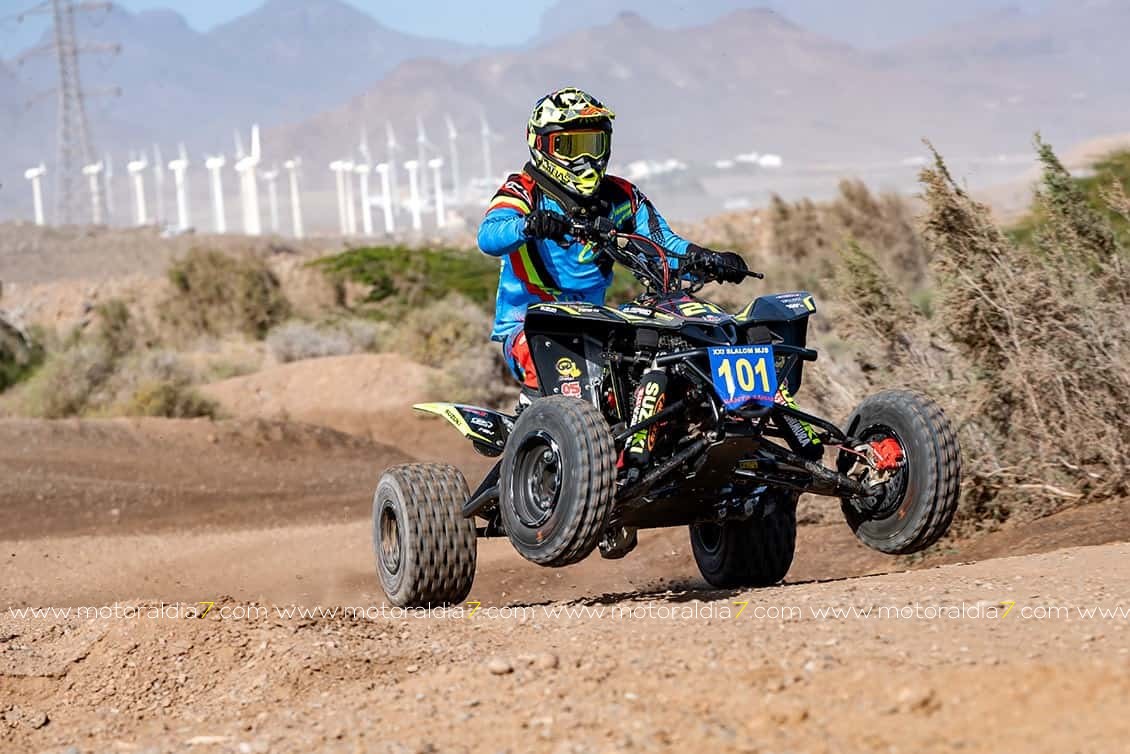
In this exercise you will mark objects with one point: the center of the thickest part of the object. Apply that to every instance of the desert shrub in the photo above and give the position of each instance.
(20, 354)
(70, 381)
(172, 399)
(1022, 350)
(399, 279)
(116, 328)
(437, 333)
(294, 341)
(213, 294)
(153, 382)
(798, 244)
(478, 376)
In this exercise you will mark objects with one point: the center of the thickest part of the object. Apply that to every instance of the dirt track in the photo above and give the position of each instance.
(274, 514)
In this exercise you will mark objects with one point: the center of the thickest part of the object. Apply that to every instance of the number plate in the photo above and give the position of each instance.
(744, 373)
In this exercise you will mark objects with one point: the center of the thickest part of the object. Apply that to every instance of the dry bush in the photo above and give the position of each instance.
(69, 382)
(213, 294)
(173, 400)
(1023, 351)
(798, 245)
(436, 333)
(110, 372)
(154, 383)
(294, 341)
(478, 376)
(451, 335)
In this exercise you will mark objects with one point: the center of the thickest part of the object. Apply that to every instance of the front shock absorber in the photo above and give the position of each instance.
(650, 397)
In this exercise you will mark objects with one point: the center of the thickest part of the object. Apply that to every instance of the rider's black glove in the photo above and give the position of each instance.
(727, 266)
(544, 224)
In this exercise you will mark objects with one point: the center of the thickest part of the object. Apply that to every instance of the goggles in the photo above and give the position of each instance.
(572, 145)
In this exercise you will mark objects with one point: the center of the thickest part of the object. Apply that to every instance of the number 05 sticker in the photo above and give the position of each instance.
(744, 373)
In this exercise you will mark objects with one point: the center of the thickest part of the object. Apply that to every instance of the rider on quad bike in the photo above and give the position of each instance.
(530, 217)
(666, 411)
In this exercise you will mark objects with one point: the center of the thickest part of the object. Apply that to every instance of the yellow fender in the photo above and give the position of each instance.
(451, 412)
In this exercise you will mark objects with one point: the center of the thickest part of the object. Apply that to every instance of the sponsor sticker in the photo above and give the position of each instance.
(571, 389)
(567, 368)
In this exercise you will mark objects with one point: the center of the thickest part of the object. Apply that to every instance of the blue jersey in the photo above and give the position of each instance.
(543, 270)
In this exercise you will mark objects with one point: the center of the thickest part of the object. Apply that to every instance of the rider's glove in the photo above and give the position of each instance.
(545, 224)
(727, 266)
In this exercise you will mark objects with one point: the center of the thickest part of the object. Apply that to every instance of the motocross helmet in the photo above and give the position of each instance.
(570, 138)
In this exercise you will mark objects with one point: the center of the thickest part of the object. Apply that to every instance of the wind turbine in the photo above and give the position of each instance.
(363, 171)
(393, 151)
(136, 168)
(94, 173)
(179, 166)
(109, 183)
(35, 175)
(488, 168)
(414, 202)
(271, 177)
(386, 197)
(215, 164)
(441, 214)
(292, 167)
(453, 148)
(350, 207)
(338, 166)
(423, 147)
(245, 165)
(159, 183)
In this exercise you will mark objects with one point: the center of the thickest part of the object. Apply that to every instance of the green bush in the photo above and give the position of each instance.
(401, 279)
(215, 294)
(20, 354)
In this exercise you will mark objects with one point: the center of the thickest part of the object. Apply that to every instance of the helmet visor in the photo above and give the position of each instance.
(572, 145)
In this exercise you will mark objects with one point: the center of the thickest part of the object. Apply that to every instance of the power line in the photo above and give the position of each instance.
(74, 148)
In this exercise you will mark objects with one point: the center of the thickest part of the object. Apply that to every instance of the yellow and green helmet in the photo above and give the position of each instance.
(570, 138)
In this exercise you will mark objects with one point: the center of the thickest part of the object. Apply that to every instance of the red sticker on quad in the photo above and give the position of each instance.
(571, 389)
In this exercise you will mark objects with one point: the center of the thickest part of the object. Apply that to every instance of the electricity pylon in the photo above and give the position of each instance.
(73, 147)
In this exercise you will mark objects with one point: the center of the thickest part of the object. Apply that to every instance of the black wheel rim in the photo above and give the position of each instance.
(537, 479)
(890, 496)
(390, 550)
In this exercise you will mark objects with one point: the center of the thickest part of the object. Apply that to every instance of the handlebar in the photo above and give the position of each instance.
(603, 234)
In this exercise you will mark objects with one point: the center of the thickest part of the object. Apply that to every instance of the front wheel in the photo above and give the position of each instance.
(912, 465)
(424, 547)
(558, 481)
(752, 553)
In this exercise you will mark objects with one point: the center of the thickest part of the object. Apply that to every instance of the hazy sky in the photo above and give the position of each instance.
(477, 22)
(870, 23)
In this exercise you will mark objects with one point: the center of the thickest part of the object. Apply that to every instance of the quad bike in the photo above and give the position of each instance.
(667, 411)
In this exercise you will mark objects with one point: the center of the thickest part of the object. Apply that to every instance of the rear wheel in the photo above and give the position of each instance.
(424, 547)
(559, 475)
(915, 472)
(751, 553)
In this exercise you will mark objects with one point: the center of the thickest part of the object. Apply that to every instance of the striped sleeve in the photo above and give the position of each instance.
(503, 229)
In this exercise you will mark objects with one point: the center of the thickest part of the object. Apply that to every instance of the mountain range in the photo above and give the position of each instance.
(284, 61)
(315, 73)
(753, 80)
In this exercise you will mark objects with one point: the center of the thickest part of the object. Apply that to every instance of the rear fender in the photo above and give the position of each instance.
(487, 429)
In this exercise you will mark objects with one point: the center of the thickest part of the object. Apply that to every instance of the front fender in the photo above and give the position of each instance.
(487, 429)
